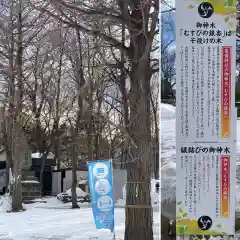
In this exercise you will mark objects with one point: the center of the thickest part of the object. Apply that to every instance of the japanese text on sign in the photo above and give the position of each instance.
(217, 150)
(205, 33)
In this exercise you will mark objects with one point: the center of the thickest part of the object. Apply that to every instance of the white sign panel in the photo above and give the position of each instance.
(206, 116)
(206, 188)
(206, 53)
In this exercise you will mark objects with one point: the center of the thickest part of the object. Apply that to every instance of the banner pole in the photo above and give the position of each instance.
(114, 234)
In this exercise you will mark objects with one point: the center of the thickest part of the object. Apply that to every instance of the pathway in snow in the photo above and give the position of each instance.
(51, 222)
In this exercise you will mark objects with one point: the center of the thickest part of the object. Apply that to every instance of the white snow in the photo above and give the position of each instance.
(56, 221)
(167, 111)
(30, 181)
(79, 192)
(169, 170)
(39, 155)
(5, 205)
(83, 181)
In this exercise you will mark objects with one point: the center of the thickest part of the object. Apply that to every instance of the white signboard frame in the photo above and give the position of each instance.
(206, 115)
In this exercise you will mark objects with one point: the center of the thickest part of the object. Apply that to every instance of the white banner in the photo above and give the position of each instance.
(206, 116)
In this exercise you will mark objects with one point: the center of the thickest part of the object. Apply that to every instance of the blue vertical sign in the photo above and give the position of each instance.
(101, 192)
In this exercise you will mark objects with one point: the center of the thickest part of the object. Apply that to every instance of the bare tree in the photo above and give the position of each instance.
(140, 19)
(75, 56)
(17, 32)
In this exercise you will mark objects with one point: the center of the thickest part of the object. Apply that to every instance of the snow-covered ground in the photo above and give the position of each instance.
(56, 221)
(168, 153)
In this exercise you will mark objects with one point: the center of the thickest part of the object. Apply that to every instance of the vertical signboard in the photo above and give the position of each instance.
(101, 192)
(206, 188)
(205, 116)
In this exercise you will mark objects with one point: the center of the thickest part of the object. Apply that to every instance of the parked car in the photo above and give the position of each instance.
(66, 196)
(85, 199)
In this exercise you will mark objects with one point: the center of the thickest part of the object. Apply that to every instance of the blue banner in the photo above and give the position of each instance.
(101, 193)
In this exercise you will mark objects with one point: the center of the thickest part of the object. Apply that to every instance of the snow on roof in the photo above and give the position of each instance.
(79, 192)
(30, 181)
(62, 166)
(84, 181)
(39, 155)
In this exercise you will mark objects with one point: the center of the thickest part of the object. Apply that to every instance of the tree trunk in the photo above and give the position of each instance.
(75, 133)
(90, 126)
(8, 122)
(74, 175)
(43, 160)
(156, 140)
(97, 142)
(57, 138)
(97, 128)
(7, 128)
(139, 216)
(17, 166)
(8, 166)
(18, 151)
(123, 90)
(57, 153)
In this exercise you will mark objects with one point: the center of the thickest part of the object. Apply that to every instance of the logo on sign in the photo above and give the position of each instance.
(205, 10)
(105, 203)
(204, 222)
(100, 170)
(102, 187)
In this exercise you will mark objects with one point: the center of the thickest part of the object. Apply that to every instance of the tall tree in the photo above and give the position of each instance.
(140, 18)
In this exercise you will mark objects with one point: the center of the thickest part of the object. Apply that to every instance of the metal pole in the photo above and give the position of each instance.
(114, 234)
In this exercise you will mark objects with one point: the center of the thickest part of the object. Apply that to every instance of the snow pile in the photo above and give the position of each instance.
(168, 170)
(5, 203)
(167, 111)
(79, 191)
(168, 184)
(124, 192)
(30, 181)
(120, 202)
(168, 140)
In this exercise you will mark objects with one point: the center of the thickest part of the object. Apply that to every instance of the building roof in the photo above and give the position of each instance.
(70, 169)
(2, 150)
(39, 155)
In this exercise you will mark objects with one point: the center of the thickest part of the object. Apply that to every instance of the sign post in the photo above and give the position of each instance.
(206, 117)
(101, 191)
